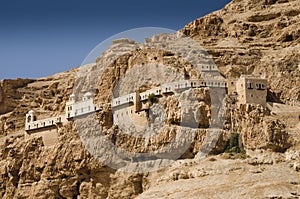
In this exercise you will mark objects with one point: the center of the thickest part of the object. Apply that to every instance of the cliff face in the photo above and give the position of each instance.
(259, 37)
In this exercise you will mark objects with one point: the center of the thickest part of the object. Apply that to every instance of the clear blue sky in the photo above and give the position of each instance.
(39, 37)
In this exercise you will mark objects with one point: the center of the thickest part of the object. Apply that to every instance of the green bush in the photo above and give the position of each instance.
(151, 98)
(234, 144)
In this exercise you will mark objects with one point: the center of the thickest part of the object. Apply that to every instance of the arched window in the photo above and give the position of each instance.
(29, 118)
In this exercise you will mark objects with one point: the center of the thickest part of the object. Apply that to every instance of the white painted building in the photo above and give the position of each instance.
(75, 109)
(208, 68)
(164, 89)
(48, 128)
(45, 128)
(32, 123)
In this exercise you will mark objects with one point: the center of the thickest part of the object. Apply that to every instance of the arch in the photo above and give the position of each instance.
(29, 118)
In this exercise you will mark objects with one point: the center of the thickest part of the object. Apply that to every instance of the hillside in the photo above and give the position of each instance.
(259, 157)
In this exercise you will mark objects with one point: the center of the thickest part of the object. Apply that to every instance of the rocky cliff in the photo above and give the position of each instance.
(255, 37)
(246, 37)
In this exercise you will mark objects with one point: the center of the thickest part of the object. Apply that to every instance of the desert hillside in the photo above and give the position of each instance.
(253, 153)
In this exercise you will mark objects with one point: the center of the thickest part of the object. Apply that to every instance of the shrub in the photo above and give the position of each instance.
(234, 144)
(151, 98)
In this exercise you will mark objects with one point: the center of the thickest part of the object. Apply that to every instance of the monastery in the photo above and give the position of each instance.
(48, 128)
(247, 89)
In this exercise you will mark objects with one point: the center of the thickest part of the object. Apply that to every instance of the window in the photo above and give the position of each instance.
(260, 86)
(249, 85)
(29, 118)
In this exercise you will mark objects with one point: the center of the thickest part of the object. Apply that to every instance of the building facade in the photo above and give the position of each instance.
(251, 90)
(77, 108)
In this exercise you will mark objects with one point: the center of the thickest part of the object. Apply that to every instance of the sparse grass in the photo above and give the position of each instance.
(212, 159)
(234, 156)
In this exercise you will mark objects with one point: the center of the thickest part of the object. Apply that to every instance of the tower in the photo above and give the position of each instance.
(70, 106)
(137, 101)
(30, 118)
(251, 90)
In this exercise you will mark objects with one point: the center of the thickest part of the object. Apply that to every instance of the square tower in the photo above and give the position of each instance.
(251, 90)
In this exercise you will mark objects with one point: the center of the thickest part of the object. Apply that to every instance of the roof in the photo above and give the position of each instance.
(88, 94)
(31, 112)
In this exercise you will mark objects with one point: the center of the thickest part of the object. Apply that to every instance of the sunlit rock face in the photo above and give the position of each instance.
(246, 37)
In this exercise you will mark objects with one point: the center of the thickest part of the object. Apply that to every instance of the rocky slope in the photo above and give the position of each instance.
(259, 37)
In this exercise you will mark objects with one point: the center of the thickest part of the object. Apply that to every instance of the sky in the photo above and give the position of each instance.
(39, 38)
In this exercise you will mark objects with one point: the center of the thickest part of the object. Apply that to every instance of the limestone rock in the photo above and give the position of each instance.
(247, 36)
